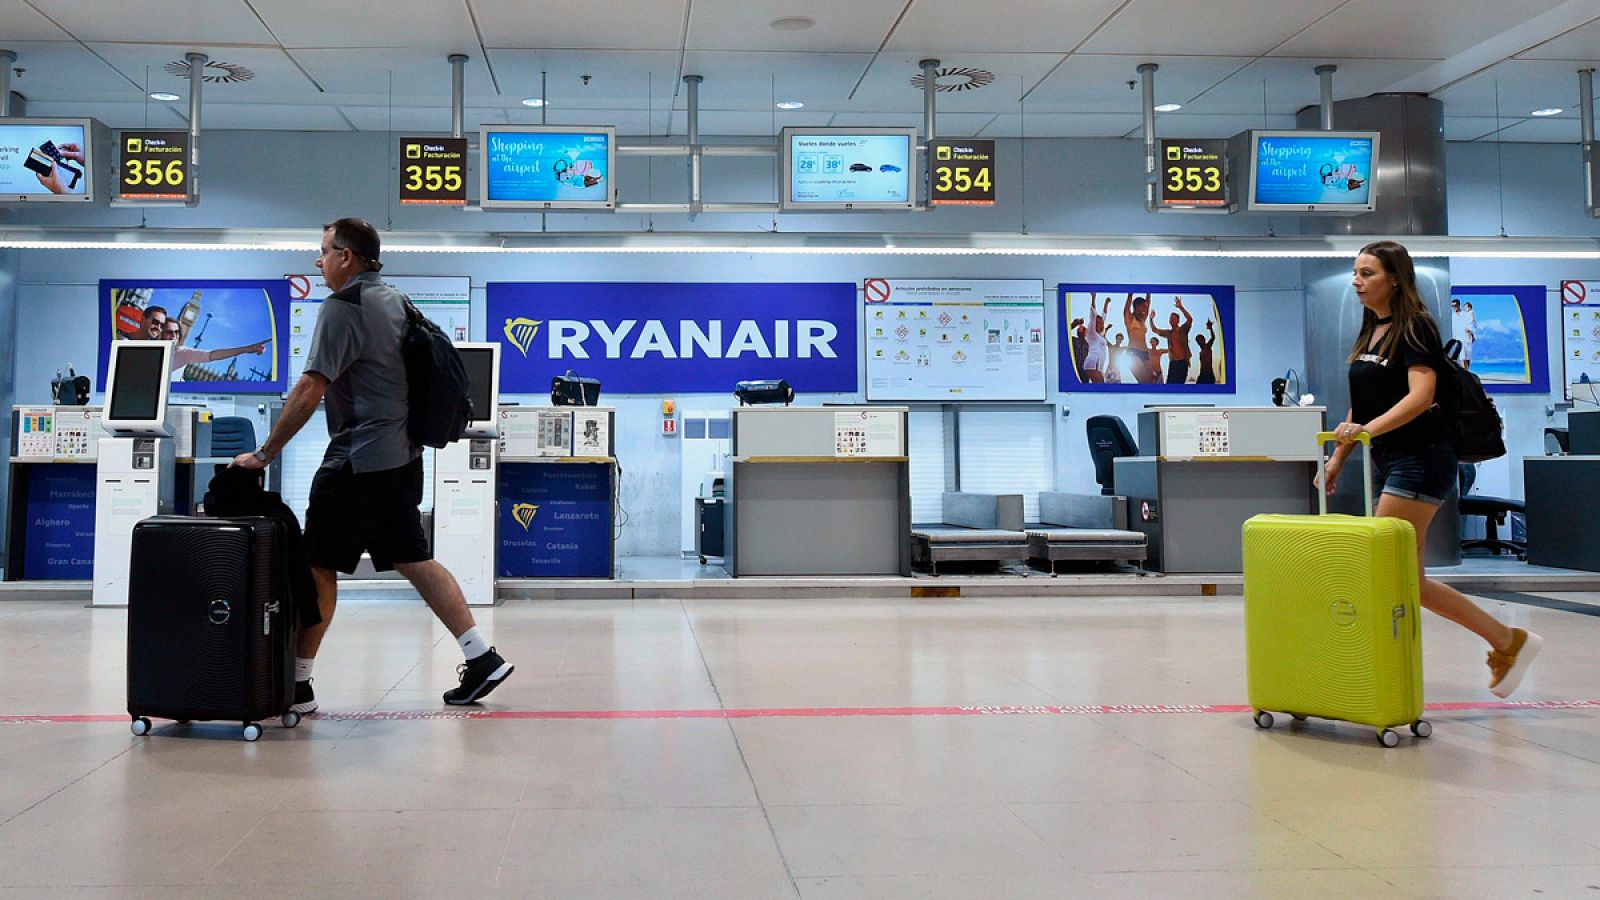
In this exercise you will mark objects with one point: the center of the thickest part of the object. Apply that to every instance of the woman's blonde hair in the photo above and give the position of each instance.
(1410, 313)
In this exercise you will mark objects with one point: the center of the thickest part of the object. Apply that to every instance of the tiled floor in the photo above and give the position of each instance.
(794, 792)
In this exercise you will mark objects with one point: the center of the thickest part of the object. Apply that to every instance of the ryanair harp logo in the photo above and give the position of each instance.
(524, 513)
(521, 332)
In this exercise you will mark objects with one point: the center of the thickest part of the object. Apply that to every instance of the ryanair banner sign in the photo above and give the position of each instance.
(656, 338)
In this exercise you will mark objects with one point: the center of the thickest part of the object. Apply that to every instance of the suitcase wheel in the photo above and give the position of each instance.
(140, 726)
(1263, 719)
(1388, 738)
(291, 719)
(1422, 728)
(1298, 717)
(252, 731)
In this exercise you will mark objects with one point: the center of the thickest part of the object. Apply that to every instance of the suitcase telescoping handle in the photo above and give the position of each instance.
(1323, 437)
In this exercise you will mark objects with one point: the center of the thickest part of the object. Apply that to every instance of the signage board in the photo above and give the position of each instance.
(1313, 171)
(1192, 174)
(153, 165)
(433, 170)
(945, 339)
(555, 521)
(542, 167)
(961, 173)
(847, 169)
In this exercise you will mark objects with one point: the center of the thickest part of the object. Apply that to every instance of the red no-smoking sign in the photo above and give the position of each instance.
(876, 290)
(1573, 292)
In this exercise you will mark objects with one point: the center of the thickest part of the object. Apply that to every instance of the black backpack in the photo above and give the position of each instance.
(1470, 416)
(438, 395)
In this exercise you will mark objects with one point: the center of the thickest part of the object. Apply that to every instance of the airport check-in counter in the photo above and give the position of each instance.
(50, 506)
(819, 491)
(556, 492)
(1208, 469)
(1560, 492)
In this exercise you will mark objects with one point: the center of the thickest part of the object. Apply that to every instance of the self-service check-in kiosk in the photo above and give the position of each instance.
(464, 483)
(135, 475)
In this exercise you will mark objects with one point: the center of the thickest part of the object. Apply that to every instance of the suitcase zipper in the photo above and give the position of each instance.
(266, 617)
(1399, 613)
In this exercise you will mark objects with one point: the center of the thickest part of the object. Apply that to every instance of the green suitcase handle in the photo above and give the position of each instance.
(1323, 437)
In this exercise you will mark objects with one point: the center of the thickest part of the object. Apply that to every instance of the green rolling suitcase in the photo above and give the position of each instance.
(1332, 619)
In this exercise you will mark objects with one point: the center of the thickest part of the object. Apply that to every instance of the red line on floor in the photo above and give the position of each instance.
(824, 712)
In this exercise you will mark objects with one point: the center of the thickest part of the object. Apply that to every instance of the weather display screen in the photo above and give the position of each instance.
(1310, 169)
(838, 169)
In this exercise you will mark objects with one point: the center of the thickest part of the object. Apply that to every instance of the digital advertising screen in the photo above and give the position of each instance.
(547, 167)
(1150, 338)
(1502, 335)
(848, 168)
(227, 335)
(47, 160)
(1313, 171)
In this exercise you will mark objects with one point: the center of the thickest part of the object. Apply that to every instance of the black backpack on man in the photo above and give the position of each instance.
(439, 397)
(1469, 413)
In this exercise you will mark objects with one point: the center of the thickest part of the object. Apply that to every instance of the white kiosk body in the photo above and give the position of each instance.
(464, 482)
(134, 469)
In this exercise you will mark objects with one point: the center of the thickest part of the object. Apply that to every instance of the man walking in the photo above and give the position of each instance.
(366, 493)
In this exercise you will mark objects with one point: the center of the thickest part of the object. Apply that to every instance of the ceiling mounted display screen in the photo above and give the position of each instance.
(539, 167)
(848, 169)
(48, 160)
(1313, 171)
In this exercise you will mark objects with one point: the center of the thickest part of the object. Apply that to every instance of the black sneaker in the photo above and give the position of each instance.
(305, 702)
(478, 677)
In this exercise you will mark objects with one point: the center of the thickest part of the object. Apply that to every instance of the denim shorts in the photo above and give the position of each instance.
(1425, 473)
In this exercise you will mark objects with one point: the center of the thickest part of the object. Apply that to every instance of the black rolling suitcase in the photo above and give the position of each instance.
(210, 631)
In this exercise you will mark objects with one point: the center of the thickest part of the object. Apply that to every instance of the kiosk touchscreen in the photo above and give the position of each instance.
(483, 373)
(134, 474)
(138, 379)
(464, 475)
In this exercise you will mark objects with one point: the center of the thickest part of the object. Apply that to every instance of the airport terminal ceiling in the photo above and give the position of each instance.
(1033, 68)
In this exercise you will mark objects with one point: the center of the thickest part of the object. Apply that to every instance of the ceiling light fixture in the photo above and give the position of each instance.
(790, 104)
(1547, 111)
(534, 102)
(792, 23)
(164, 96)
(1169, 107)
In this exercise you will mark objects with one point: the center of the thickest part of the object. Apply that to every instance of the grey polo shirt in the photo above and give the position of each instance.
(356, 346)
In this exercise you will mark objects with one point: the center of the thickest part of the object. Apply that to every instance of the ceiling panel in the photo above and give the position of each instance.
(22, 23)
(1059, 125)
(1522, 85)
(1086, 83)
(888, 83)
(276, 78)
(750, 81)
(1213, 29)
(416, 73)
(618, 80)
(1291, 84)
(194, 22)
(641, 26)
(746, 123)
(1543, 131)
(416, 119)
(855, 27)
(66, 71)
(1469, 128)
(435, 28)
(1578, 45)
(272, 117)
(1413, 29)
(1178, 124)
(115, 115)
(949, 27)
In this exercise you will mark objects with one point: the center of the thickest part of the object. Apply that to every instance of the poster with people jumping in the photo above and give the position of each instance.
(1146, 337)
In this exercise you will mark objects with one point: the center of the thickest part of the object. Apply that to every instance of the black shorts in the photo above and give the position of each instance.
(375, 512)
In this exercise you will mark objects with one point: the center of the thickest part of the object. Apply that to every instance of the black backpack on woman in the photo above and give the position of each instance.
(1470, 415)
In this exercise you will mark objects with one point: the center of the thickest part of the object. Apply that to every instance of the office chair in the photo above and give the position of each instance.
(232, 435)
(1108, 439)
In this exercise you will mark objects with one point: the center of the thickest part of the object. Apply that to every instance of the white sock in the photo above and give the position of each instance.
(473, 643)
(302, 667)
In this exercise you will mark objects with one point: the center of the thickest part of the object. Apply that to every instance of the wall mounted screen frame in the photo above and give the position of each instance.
(493, 194)
(875, 168)
(28, 136)
(1325, 167)
(137, 388)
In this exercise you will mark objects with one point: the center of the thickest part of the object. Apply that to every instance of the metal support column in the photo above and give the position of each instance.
(930, 87)
(197, 70)
(695, 150)
(1147, 75)
(458, 89)
(6, 59)
(1326, 108)
(1586, 120)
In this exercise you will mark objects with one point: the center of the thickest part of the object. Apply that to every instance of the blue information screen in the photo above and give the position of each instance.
(1313, 170)
(862, 168)
(547, 167)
